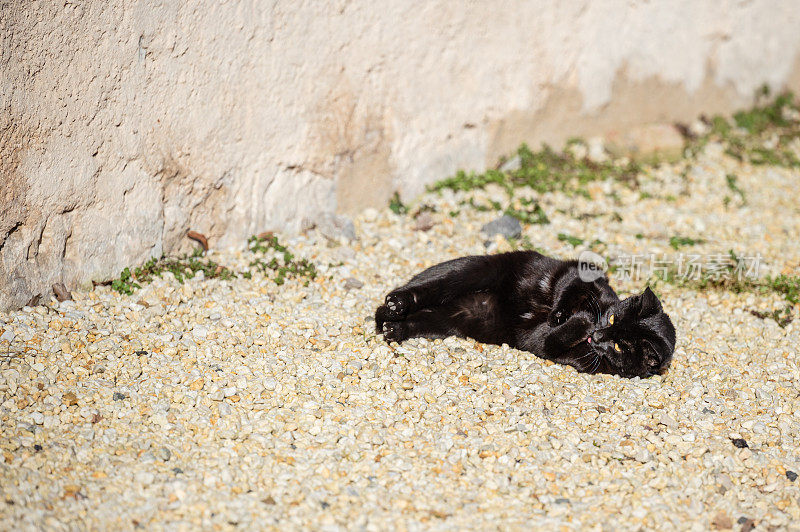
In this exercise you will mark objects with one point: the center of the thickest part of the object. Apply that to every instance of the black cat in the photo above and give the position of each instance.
(535, 303)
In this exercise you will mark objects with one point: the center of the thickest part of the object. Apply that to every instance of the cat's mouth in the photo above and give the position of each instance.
(579, 342)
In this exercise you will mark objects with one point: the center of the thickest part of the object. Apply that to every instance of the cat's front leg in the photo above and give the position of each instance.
(561, 339)
(571, 299)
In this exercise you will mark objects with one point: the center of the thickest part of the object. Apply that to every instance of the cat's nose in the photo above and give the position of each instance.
(598, 336)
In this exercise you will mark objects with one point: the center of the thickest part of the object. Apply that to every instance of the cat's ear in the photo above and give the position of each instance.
(649, 303)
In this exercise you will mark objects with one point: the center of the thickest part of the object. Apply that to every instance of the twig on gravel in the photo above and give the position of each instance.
(200, 238)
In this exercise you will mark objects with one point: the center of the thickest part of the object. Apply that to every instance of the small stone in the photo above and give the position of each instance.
(739, 443)
(352, 283)
(119, 396)
(370, 214)
(37, 418)
(791, 475)
(666, 420)
(506, 226)
(7, 336)
(71, 491)
(721, 521)
(424, 222)
(335, 227)
(69, 399)
(163, 454)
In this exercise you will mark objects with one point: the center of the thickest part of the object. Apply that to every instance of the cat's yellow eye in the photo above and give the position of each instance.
(611, 320)
(616, 348)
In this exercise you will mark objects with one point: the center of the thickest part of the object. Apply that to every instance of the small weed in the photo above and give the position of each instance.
(782, 317)
(732, 182)
(598, 245)
(786, 285)
(396, 205)
(525, 243)
(494, 206)
(181, 268)
(762, 135)
(425, 207)
(545, 170)
(125, 284)
(677, 242)
(574, 240)
(728, 278)
(282, 262)
(530, 213)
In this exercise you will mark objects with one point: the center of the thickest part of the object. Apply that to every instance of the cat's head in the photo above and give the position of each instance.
(634, 337)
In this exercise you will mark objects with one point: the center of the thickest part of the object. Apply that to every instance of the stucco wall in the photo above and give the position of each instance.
(123, 124)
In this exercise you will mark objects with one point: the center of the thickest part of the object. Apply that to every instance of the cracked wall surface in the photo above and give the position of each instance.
(124, 124)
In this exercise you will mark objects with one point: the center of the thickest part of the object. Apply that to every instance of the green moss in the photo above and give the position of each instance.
(760, 135)
(544, 170)
(574, 240)
(677, 242)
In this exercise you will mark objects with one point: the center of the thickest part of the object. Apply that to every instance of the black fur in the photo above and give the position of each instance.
(535, 303)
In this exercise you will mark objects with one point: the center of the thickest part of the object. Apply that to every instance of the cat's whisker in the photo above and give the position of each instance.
(591, 299)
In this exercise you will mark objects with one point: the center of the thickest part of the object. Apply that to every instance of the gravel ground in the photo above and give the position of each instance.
(224, 404)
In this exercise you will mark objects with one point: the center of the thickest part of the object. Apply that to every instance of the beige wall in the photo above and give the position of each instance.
(123, 124)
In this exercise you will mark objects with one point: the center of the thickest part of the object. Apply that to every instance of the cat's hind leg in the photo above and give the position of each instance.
(444, 283)
(426, 323)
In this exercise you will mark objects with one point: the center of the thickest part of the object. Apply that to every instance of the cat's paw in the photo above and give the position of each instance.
(580, 322)
(394, 331)
(398, 305)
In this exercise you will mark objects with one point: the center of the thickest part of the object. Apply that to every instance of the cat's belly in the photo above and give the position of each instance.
(481, 316)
